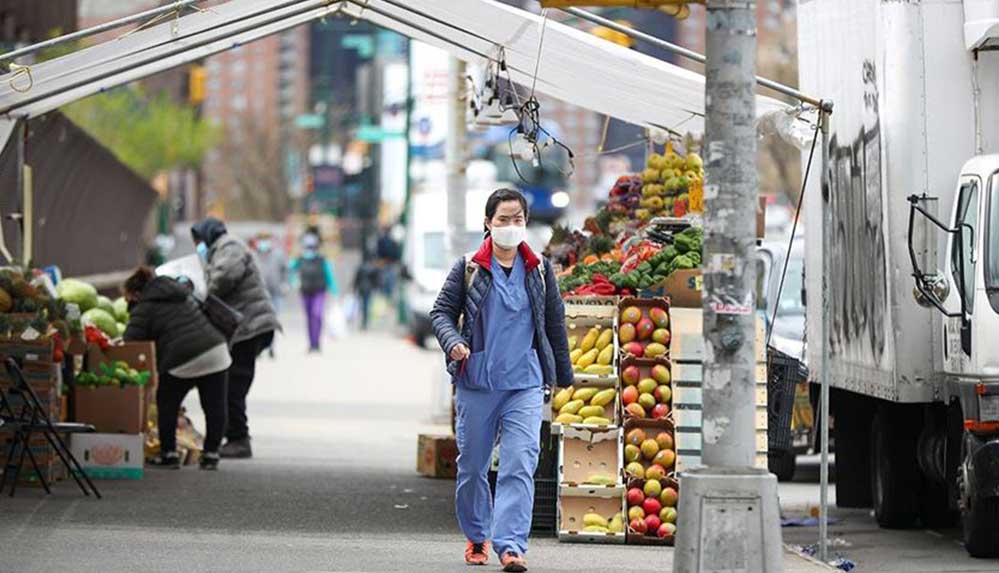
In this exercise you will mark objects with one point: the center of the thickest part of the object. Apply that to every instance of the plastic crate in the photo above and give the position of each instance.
(783, 375)
(543, 516)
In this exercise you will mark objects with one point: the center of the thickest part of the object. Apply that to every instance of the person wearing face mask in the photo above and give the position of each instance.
(190, 353)
(233, 275)
(315, 278)
(500, 321)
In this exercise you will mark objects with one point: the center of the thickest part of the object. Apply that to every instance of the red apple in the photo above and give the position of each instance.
(629, 395)
(638, 526)
(631, 375)
(666, 531)
(659, 411)
(635, 496)
(652, 522)
(652, 506)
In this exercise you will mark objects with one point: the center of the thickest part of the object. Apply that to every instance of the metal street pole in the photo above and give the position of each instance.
(457, 159)
(824, 372)
(729, 516)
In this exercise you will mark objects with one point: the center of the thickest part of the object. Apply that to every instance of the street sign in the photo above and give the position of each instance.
(375, 134)
(310, 121)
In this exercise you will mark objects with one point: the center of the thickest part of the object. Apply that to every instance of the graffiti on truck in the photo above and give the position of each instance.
(858, 307)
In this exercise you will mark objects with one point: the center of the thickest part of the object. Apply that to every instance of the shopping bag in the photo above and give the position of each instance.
(350, 309)
(337, 320)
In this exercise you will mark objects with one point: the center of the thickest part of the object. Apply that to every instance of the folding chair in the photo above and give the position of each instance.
(32, 418)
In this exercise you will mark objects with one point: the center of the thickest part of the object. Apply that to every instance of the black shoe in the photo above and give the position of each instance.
(238, 449)
(170, 461)
(209, 462)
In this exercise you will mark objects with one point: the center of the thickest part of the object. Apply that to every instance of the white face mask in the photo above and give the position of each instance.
(509, 237)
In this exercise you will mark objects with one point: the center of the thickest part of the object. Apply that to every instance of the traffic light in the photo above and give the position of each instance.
(196, 84)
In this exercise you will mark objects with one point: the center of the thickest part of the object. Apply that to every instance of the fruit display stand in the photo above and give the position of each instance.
(644, 327)
(591, 514)
(593, 344)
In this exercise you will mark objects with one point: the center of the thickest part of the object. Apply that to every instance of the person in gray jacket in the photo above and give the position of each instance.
(232, 274)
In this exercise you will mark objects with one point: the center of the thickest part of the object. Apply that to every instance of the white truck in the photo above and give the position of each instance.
(911, 266)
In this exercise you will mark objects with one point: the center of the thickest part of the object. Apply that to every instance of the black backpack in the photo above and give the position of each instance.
(312, 275)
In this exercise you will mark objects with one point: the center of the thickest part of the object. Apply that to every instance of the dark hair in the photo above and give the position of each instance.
(503, 195)
(139, 279)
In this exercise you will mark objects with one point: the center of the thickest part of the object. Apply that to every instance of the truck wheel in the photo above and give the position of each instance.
(782, 464)
(934, 507)
(895, 477)
(981, 527)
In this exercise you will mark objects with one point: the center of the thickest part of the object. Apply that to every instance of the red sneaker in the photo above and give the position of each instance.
(513, 563)
(477, 553)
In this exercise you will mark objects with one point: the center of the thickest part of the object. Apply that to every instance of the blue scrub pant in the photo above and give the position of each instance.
(516, 415)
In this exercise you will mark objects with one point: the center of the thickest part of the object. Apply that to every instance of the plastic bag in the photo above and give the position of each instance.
(337, 320)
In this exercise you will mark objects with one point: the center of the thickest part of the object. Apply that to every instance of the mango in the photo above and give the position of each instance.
(590, 340)
(572, 342)
(605, 338)
(626, 333)
(562, 398)
(585, 394)
(659, 317)
(633, 454)
(588, 411)
(606, 356)
(604, 397)
(616, 524)
(599, 369)
(644, 329)
(647, 386)
(661, 335)
(575, 355)
(571, 407)
(568, 419)
(631, 315)
(576, 368)
(647, 401)
(635, 409)
(589, 358)
(597, 421)
(635, 470)
(660, 372)
(654, 349)
(650, 448)
(594, 519)
(601, 479)
(596, 529)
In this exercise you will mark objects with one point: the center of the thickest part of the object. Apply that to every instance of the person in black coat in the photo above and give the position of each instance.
(191, 353)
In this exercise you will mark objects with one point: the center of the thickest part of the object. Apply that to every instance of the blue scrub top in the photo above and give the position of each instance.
(508, 360)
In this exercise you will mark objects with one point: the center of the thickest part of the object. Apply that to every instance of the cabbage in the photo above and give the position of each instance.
(77, 292)
(102, 320)
(105, 304)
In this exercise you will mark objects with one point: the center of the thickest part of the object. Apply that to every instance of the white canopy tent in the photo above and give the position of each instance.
(574, 66)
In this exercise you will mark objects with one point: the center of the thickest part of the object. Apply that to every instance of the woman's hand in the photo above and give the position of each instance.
(460, 352)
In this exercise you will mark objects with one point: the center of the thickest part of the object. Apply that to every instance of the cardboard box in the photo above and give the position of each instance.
(651, 537)
(575, 502)
(109, 456)
(584, 453)
(436, 456)
(579, 326)
(115, 409)
(683, 288)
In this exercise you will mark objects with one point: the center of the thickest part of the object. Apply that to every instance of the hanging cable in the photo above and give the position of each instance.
(794, 230)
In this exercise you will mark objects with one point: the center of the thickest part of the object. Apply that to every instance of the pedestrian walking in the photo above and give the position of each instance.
(500, 320)
(367, 281)
(273, 267)
(190, 353)
(315, 277)
(232, 274)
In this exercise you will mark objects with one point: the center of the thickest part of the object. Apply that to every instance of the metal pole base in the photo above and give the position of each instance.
(729, 522)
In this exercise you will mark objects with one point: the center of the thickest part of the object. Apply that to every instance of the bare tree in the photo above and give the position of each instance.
(250, 171)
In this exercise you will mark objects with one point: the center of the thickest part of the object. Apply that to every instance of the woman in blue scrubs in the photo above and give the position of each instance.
(500, 320)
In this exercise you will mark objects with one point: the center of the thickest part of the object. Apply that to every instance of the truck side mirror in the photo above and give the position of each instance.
(932, 290)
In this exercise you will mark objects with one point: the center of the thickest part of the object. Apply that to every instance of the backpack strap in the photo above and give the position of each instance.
(471, 268)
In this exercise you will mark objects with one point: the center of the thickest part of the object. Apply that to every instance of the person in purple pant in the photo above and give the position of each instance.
(315, 278)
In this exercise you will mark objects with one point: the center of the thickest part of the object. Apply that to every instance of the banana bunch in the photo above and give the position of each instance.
(583, 405)
(594, 354)
(596, 523)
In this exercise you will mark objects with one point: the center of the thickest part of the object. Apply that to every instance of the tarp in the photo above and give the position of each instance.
(78, 184)
(574, 66)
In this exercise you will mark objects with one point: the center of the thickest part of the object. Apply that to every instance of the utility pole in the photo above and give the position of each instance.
(729, 515)
(457, 159)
